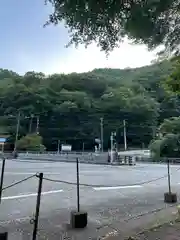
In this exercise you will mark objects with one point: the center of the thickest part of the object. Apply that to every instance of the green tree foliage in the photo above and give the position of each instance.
(168, 142)
(171, 125)
(152, 22)
(70, 106)
(172, 84)
(30, 142)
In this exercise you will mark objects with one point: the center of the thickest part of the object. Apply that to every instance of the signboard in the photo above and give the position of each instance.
(2, 140)
(66, 147)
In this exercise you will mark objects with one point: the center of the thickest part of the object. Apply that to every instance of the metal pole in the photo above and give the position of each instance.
(78, 198)
(17, 131)
(2, 177)
(169, 180)
(102, 135)
(37, 207)
(125, 138)
(111, 147)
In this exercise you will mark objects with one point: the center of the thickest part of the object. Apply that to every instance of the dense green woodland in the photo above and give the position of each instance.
(70, 106)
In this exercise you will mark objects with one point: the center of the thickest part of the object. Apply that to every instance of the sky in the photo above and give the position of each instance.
(25, 45)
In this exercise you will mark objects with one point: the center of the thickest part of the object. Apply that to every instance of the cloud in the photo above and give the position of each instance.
(57, 59)
(83, 60)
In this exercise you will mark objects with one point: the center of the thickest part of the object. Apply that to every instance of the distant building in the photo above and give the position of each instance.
(3, 141)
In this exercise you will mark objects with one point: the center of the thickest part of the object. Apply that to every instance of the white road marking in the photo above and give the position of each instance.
(30, 195)
(117, 187)
(30, 173)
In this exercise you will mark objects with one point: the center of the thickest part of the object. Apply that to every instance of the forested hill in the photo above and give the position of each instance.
(69, 107)
(128, 75)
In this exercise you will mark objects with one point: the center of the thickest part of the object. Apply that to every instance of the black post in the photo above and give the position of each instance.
(4, 236)
(2, 177)
(37, 206)
(78, 219)
(77, 168)
(169, 180)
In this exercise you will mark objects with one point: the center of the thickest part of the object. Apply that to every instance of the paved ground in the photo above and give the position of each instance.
(168, 231)
(117, 200)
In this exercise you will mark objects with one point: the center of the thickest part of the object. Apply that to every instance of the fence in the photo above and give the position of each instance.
(78, 219)
(67, 157)
(159, 160)
(94, 158)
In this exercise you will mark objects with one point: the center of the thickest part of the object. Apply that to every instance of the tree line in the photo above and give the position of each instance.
(69, 107)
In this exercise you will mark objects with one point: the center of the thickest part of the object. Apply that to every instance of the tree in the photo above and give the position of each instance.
(168, 142)
(171, 125)
(31, 142)
(167, 146)
(152, 22)
(69, 107)
(172, 83)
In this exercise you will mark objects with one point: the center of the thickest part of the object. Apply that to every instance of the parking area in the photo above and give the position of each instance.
(108, 193)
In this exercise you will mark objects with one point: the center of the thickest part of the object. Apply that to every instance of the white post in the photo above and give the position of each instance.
(125, 138)
(111, 147)
(58, 146)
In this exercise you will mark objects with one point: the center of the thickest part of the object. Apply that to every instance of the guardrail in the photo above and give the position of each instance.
(88, 158)
(160, 160)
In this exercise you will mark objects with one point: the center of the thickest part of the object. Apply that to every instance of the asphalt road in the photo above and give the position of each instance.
(120, 194)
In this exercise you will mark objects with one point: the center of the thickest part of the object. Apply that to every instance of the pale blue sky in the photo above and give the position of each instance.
(25, 45)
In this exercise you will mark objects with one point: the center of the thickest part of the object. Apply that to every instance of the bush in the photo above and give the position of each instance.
(31, 142)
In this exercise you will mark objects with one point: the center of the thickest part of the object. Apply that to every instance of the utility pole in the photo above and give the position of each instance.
(37, 125)
(113, 134)
(83, 147)
(30, 124)
(111, 138)
(112, 145)
(17, 131)
(102, 134)
(125, 138)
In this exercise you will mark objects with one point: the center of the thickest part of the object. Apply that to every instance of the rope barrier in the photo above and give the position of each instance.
(101, 185)
(16, 183)
(84, 184)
